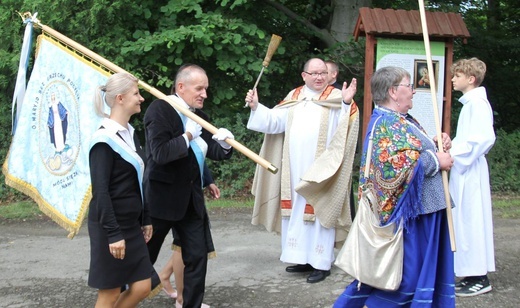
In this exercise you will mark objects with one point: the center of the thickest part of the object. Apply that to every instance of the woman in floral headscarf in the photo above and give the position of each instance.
(405, 175)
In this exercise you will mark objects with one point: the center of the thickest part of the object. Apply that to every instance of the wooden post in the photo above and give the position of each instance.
(437, 122)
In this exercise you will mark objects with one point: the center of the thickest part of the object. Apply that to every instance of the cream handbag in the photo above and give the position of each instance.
(372, 254)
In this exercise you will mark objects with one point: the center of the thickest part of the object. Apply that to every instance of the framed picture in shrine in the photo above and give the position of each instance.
(422, 76)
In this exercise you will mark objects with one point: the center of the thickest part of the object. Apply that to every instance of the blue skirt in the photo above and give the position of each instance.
(428, 274)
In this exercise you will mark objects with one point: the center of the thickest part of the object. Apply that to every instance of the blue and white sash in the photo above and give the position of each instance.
(198, 145)
(117, 144)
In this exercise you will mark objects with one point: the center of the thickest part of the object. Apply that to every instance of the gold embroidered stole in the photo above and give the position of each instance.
(286, 191)
(326, 183)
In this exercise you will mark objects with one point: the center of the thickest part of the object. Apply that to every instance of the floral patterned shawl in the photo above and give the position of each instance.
(396, 174)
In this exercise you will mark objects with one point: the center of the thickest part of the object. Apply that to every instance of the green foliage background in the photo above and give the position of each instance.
(229, 38)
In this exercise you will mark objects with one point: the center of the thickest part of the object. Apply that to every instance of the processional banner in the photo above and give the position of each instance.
(48, 157)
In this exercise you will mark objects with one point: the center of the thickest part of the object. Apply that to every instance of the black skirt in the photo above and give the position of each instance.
(107, 272)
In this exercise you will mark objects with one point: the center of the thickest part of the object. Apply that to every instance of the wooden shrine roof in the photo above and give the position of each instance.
(389, 22)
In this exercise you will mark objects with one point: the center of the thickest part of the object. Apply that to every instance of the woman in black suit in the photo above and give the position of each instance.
(118, 223)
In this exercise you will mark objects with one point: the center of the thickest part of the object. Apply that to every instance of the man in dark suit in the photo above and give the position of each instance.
(176, 147)
(333, 71)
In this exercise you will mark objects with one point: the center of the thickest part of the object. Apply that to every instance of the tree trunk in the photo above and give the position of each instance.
(344, 17)
(342, 21)
(493, 15)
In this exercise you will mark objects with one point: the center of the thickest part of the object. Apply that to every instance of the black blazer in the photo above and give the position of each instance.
(337, 85)
(172, 176)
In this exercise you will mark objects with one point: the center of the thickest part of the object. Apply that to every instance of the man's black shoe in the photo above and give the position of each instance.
(299, 268)
(317, 276)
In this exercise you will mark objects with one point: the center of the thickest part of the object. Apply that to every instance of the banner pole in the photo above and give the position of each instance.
(437, 120)
(113, 67)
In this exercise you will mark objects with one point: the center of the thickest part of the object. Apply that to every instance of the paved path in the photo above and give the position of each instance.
(40, 267)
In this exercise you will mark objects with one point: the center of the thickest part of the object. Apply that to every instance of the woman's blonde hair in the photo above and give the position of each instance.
(118, 83)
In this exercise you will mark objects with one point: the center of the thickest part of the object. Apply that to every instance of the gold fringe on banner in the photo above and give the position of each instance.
(44, 206)
(76, 53)
(26, 188)
(105, 67)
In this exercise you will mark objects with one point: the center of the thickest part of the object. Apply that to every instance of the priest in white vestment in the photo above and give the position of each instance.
(312, 137)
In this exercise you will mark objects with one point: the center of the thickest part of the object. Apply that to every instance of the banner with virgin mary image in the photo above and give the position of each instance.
(48, 157)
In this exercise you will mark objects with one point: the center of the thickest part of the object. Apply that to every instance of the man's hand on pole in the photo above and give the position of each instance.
(252, 99)
(221, 135)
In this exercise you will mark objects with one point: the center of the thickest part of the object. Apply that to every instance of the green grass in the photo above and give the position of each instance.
(20, 210)
(229, 203)
(29, 210)
(507, 206)
(503, 206)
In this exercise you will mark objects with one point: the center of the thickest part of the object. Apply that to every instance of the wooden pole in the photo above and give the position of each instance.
(111, 66)
(370, 46)
(273, 45)
(433, 89)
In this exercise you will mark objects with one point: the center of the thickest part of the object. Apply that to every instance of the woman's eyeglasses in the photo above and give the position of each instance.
(409, 85)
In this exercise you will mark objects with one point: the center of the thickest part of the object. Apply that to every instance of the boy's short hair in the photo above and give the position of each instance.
(470, 67)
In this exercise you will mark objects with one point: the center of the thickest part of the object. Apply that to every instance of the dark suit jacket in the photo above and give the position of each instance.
(172, 176)
(207, 176)
(337, 85)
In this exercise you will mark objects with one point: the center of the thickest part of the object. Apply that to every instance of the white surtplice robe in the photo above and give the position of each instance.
(469, 186)
(302, 241)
